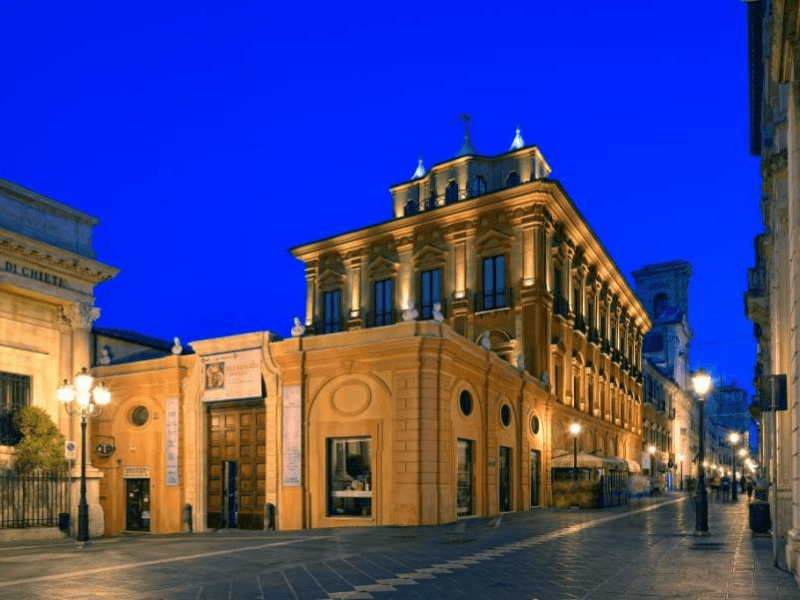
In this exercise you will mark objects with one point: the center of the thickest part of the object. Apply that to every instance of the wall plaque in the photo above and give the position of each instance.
(232, 375)
(292, 436)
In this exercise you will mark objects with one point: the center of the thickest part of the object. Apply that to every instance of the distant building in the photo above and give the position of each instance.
(670, 417)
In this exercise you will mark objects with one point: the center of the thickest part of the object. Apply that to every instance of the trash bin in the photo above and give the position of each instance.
(63, 521)
(759, 516)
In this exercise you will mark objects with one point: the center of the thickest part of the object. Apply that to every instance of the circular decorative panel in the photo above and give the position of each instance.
(351, 398)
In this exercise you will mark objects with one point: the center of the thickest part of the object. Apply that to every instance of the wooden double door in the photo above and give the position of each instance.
(237, 453)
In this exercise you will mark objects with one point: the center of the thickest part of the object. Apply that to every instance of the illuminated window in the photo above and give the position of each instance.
(350, 481)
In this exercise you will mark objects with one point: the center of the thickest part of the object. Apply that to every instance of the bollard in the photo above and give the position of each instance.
(269, 517)
(186, 517)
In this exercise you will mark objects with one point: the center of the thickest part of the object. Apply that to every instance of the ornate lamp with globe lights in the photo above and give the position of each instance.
(85, 399)
(701, 382)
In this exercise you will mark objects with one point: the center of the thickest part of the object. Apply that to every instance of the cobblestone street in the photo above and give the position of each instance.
(640, 551)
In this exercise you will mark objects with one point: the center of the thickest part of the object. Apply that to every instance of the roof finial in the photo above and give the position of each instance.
(466, 147)
(518, 142)
(420, 172)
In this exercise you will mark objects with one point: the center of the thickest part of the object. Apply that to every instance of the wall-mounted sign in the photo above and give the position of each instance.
(171, 445)
(232, 375)
(292, 436)
(138, 472)
(70, 450)
(31, 273)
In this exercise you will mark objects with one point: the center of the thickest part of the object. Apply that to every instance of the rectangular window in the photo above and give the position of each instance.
(350, 482)
(576, 391)
(383, 300)
(430, 291)
(558, 298)
(494, 282)
(464, 499)
(332, 304)
(590, 397)
(505, 479)
(15, 394)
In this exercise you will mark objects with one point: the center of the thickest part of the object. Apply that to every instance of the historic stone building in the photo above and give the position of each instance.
(440, 362)
(772, 296)
(47, 278)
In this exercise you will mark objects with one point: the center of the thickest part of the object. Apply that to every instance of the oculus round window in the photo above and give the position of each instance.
(140, 415)
(534, 424)
(465, 403)
(505, 415)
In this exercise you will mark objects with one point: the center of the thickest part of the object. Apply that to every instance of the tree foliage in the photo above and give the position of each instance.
(42, 444)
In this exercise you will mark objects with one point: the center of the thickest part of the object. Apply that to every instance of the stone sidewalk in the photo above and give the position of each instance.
(643, 551)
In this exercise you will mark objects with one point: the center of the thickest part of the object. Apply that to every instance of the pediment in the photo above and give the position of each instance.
(381, 267)
(331, 278)
(429, 255)
(494, 238)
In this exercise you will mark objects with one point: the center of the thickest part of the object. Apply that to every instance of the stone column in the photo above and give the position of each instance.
(311, 293)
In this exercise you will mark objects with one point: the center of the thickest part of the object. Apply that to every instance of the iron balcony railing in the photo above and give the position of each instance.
(331, 326)
(492, 299)
(380, 318)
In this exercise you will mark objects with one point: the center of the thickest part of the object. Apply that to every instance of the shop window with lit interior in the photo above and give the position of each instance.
(350, 482)
(494, 293)
(430, 292)
(332, 311)
(464, 488)
(15, 394)
(383, 302)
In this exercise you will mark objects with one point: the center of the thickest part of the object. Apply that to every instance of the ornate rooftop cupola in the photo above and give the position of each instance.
(420, 172)
(466, 148)
(517, 142)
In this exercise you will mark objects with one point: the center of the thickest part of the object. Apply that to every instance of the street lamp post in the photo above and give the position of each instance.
(653, 477)
(575, 429)
(734, 438)
(701, 381)
(84, 399)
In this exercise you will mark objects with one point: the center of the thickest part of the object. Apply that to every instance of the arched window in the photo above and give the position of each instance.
(478, 186)
(411, 208)
(451, 193)
(513, 179)
(430, 203)
(659, 303)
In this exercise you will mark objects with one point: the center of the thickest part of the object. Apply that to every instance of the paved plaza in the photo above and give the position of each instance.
(640, 551)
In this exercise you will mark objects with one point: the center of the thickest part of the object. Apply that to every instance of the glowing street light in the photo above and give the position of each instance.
(734, 438)
(575, 429)
(701, 382)
(83, 399)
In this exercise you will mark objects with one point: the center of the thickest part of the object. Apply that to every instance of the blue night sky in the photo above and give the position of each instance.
(209, 138)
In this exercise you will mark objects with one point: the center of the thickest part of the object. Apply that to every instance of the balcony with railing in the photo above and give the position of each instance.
(493, 299)
(380, 318)
(426, 309)
(328, 326)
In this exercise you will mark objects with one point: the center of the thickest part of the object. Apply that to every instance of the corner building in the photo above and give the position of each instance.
(455, 344)
(440, 361)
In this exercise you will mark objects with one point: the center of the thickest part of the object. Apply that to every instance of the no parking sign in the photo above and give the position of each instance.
(69, 450)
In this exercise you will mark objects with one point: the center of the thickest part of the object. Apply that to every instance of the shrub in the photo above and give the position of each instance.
(42, 444)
